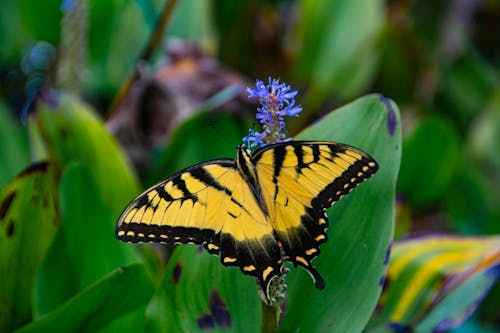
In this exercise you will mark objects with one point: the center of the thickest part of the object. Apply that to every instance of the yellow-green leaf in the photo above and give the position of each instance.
(28, 222)
(437, 281)
(73, 132)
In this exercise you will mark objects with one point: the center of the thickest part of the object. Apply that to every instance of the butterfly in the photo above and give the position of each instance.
(255, 211)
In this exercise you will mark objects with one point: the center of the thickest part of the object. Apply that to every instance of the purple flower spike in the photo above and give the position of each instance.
(277, 101)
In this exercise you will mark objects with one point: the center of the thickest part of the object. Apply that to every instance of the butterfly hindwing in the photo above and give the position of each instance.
(301, 180)
(209, 204)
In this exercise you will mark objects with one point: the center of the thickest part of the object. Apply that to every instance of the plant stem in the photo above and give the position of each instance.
(270, 318)
(73, 50)
(152, 44)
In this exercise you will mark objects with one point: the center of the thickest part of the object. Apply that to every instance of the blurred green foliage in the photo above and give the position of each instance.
(438, 61)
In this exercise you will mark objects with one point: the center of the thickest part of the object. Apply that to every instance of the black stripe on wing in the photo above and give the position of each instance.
(354, 175)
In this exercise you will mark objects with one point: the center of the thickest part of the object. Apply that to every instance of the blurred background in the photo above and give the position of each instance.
(146, 66)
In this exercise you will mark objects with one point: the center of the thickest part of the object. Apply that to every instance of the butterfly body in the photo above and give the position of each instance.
(255, 211)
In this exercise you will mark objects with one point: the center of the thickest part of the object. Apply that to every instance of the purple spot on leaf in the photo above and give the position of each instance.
(400, 328)
(493, 271)
(391, 115)
(444, 326)
(10, 229)
(4, 206)
(219, 310)
(176, 274)
(219, 315)
(387, 255)
(206, 322)
(283, 310)
(382, 280)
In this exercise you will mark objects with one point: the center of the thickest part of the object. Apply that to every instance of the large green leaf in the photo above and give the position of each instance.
(198, 292)
(118, 293)
(73, 132)
(430, 160)
(85, 248)
(28, 223)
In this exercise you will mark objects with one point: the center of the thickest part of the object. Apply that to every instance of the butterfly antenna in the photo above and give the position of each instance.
(221, 135)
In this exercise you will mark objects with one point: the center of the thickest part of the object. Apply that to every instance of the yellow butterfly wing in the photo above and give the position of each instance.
(300, 180)
(209, 204)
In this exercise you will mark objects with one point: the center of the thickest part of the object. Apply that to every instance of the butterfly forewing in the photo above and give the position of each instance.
(209, 204)
(300, 180)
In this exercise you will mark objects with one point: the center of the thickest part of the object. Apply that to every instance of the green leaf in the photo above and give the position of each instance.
(117, 34)
(28, 223)
(118, 293)
(234, 26)
(437, 281)
(85, 248)
(12, 44)
(41, 27)
(430, 160)
(199, 292)
(191, 21)
(73, 132)
(466, 86)
(485, 134)
(471, 201)
(333, 57)
(14, 150)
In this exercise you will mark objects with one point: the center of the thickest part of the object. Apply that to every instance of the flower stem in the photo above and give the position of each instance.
(73, 50)
(270, 318)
